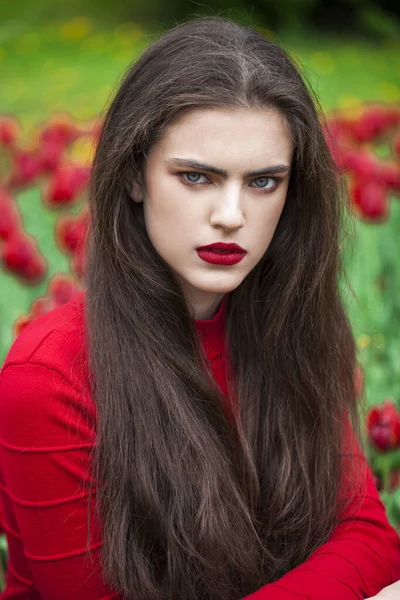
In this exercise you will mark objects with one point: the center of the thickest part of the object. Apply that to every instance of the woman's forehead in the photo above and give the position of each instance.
(227, 134)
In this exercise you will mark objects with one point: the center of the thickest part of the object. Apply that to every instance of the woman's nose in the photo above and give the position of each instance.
(227, 211)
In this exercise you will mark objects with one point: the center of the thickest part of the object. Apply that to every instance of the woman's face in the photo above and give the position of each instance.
(189, 205)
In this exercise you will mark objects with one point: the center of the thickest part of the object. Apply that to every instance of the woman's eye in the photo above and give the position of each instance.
(192, 177)
(270, 181)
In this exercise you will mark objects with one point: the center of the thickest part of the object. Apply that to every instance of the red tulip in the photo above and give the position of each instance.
(371, 200)
(361, 162)
(340, 126)
(50, 154)
(9, 130)
(63, 288)
(70, 231)
(374, 122)
(343, 156)
(9, 216)
(20, 256)
(35, 271)
(17, 252)
(41, 305)
(61, 130)
(66, 184)
(383, 426)
(26, 169)
(388, 174)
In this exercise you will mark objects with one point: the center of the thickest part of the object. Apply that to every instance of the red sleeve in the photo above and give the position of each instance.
(45, 443)
(1, 523)
(359, 560)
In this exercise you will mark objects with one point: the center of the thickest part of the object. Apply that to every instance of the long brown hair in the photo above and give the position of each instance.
(196, 506)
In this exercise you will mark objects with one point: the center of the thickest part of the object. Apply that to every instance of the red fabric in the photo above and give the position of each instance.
(46, 433)
(1, 523)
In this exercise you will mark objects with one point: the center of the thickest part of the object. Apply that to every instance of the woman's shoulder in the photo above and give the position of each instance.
(45, 402)
(55, 340)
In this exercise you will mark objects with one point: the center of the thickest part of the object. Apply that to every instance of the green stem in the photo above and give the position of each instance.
(386, 471)
(2, 578)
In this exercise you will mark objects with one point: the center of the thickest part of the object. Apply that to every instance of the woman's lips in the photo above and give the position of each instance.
(225, 246)
(221, 258)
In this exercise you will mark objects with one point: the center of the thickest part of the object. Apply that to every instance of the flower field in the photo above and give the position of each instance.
(55, 85)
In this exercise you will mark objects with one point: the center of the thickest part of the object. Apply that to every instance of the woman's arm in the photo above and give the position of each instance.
(391, 592)
(360, 559)
(45, 444)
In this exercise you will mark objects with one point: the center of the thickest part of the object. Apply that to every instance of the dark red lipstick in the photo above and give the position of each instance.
(221, 253)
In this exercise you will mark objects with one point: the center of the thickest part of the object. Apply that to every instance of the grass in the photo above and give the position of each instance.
(75, 66)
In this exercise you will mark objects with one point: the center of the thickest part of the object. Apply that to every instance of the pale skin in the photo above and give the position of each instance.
(391, 592)
(234, 207)
(230, 207)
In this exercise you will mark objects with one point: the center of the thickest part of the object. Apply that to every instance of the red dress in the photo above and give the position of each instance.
(47, 422)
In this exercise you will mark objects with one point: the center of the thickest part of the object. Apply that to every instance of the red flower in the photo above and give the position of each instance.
(383, 426)
(388, 174)
(50, 154)
(61, 130)
(370, 199)
(21, 257)
(9, 130)
(41, 306)
(66, 184)
(63, 288)
(9, 216)
(26, 169)
(70, 231)
(361, 162)
(375, 122)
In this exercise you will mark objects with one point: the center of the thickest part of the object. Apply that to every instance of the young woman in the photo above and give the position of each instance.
(187, 428)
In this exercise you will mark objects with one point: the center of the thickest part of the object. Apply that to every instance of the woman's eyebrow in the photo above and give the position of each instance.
(186, 162)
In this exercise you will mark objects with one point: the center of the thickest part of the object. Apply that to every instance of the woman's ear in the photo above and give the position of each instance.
(135, 189)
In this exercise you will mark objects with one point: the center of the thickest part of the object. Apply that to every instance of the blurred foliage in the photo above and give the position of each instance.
(75, 65)
(379, 19)
(70, 56)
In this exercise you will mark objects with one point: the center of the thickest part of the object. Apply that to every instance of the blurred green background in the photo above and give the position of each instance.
(70, 57)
